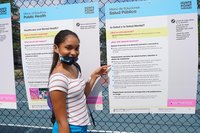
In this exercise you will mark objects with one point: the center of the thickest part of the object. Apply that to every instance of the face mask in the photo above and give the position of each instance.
(68, 60)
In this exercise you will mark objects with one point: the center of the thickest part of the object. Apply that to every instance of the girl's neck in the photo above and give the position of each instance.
(69, 70)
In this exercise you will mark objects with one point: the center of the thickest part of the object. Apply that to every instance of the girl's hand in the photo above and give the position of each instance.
(97, 73)
(103, 70)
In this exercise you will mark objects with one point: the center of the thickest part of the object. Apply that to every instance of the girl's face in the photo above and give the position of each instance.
(70, 47)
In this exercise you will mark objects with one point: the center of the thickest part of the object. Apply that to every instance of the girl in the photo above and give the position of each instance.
(68, 90)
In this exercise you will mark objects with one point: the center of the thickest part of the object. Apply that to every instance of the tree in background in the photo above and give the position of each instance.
(103, 46)
(16, 35)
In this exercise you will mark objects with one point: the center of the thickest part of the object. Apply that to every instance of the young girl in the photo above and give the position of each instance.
(68, 90)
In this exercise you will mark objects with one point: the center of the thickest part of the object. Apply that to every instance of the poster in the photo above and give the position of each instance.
(7, 77)
(38, 28)
(152, 46)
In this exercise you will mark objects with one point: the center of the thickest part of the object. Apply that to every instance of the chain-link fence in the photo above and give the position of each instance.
(23, 120)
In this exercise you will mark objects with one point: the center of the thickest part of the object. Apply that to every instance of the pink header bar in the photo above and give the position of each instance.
(181, 103)
(7, 98)
(94, 100)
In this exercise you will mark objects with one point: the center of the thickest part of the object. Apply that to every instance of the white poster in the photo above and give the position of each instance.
(152, 47)
(38, 28)
(7, 77)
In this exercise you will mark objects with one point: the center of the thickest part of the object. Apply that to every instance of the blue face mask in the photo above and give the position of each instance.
(68, 60)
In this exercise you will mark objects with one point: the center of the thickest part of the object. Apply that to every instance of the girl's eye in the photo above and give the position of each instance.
(77, 49)
(69, 47)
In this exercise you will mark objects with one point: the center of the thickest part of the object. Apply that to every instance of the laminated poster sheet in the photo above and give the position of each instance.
(38, 28)
(7, 77)
(152, 46)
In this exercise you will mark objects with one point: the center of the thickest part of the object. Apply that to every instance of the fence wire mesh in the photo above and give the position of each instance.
(23, 120)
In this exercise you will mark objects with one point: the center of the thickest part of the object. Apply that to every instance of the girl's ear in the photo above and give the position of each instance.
(55, 48)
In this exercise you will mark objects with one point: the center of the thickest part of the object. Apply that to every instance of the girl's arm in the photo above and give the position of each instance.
(97, 73)
(58, 100)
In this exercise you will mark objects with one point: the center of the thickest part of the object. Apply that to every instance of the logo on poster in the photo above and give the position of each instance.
(3, 11)
(186, 5)
(89, 10)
